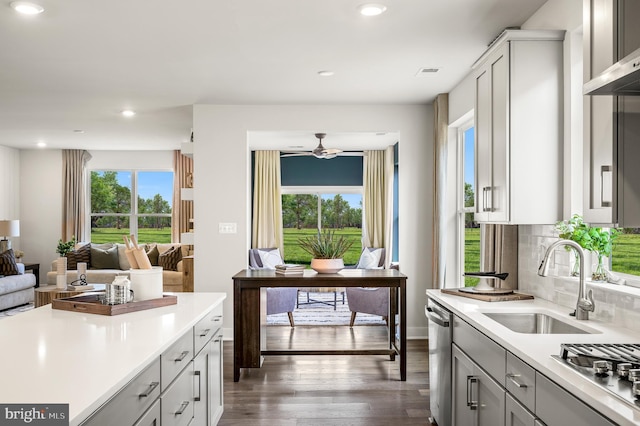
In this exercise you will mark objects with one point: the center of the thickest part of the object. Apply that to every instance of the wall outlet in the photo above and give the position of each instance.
(227, 228)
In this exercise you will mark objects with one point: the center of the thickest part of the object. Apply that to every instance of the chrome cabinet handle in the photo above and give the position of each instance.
(473, 405)
(603, 170)
(197, 373)
(183, 407)
(150, 389)
(182, 356)
(513, 377)
(217, 318)
(205, 332)
(486, 196)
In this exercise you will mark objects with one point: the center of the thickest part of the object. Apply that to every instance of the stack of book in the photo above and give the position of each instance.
(289, 269)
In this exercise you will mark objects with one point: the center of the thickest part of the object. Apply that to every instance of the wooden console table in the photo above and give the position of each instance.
(250, 312)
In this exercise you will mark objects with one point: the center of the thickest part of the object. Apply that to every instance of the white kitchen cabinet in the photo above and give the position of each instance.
(518, 129)
(478, 399)
(610, 125)
(516, 414)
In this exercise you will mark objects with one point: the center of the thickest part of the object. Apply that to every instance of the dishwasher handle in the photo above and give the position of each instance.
(433, 316)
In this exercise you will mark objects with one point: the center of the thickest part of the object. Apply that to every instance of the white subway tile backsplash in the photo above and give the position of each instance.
(615, 304)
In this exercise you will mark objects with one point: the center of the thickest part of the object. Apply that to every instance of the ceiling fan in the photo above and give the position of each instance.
(320, 151)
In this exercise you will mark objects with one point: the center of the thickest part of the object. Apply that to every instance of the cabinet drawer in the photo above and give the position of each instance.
(556, 406)
(151, 417)
(484, 351)
(204, 330)
(131, 402)
(176, 403)
(175, 359)
(520, 381)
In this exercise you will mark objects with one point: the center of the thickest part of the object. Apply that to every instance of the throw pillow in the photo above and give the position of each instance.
(153, 254)
(81, 253)
(270, 258)
(8, 265)
(104, 258)
(370, 259)
(170, 258)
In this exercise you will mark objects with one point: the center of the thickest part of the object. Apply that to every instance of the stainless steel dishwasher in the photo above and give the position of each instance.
(440, 339)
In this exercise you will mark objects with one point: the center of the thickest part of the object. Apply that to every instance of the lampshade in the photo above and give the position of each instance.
(9, 228)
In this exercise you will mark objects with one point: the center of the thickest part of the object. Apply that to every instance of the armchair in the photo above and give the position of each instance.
(367, 300)
(279, 300)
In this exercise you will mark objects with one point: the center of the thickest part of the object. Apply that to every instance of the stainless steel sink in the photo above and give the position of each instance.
(533, 323)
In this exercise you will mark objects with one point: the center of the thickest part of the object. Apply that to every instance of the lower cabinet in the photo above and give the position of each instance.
(182, 387)
(478, 399)
(491, 386)
(207, 374)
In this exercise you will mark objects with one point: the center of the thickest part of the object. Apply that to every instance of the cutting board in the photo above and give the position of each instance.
(488, 297)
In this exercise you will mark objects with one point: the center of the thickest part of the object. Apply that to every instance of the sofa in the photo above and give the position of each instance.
(16, 287)
(105, 261)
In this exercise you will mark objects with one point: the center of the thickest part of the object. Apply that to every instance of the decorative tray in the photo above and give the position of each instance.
(91, 304)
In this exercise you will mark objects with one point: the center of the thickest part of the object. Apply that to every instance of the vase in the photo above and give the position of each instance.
(61, 272)
(599, 273)
(575, 269)
(327, 266)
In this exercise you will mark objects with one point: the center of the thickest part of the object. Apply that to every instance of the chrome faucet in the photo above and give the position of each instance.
(584, 305)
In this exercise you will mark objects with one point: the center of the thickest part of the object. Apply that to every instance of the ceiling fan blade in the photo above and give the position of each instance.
(351, 154)
(294, 154)
(328, 151)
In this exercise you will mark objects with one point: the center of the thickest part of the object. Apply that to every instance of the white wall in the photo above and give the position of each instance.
(41, 195)
(222, 186)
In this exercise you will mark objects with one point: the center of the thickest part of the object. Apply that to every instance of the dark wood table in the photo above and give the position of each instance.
(250, 312)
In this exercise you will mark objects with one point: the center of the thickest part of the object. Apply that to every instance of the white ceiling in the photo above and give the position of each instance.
(78, 64)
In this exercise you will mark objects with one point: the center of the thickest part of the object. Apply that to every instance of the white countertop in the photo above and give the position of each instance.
(56, 356)
(536, 349)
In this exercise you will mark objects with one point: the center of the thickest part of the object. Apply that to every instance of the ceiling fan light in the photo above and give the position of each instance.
(27, 8)
(371, 9)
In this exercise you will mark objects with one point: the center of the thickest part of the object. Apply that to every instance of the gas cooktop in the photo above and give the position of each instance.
(614, 367)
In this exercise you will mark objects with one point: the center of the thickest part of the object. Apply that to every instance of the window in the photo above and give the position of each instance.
(306, 210)
(468, 229)
(624, 258)
(131, 202)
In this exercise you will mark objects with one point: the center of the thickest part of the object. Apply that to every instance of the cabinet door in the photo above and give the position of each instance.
(483, 145)
(478, 399)
(200, 386)
(216, 379)
(151, 417)
(176, 403)
(500, 136)
(516, 414)
(492, 142)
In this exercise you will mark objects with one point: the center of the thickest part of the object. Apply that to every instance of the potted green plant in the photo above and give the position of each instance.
(64, 248)
(326, 250)
(593, 238)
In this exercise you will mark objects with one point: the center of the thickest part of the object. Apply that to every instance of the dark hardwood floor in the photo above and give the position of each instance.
(328, 390)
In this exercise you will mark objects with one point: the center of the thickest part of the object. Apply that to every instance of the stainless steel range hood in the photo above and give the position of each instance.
(622, 78)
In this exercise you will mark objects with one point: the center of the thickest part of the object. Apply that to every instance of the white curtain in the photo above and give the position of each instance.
(267, 202)
(440, 140)
(377, 201)
(74, 195)
(182, 212)
(499, 252)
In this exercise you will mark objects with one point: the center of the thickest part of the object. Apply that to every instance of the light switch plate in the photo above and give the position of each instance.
(227, 228)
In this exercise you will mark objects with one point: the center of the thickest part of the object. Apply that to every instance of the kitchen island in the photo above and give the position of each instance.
(84, 360)
(537, 351)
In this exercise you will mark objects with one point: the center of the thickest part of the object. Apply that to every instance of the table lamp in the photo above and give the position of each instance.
(8, 228)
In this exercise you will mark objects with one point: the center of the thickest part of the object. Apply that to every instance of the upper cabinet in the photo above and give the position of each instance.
(611, 125)
(518, 129)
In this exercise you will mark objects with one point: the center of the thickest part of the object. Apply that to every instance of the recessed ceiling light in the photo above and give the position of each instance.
(325, 73)
(78, 131)
(128, 113)
(41, 144)
(27, 8)
(371, 9)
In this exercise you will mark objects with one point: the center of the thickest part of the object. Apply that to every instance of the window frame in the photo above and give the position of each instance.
(133, 215)
(461, 210)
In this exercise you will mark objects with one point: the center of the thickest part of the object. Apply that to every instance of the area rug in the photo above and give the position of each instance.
(15, 311)
(321, 314)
